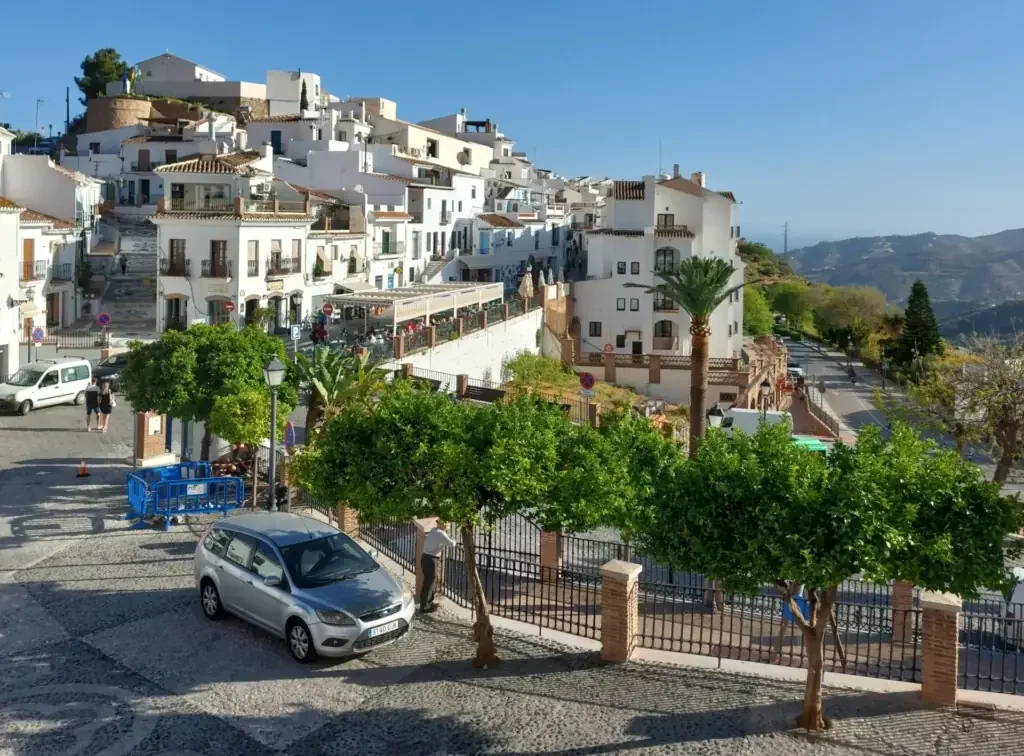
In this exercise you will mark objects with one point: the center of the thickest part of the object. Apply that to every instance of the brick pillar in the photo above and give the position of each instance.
(619, 609)
(504, 311)
(149, 436)
(423, 527)
(654, 369)
(399, 346)
(483, 318)
(940, 614)
(348, 520)
(461, 386)
(550, 556)
(432, 336)
(407, 368)
(902, 619)
(568, 353)
(459, 326)
(609, 367)
(593, 413)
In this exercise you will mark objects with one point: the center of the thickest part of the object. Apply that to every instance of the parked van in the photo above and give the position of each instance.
(44, 383)
(748, 420)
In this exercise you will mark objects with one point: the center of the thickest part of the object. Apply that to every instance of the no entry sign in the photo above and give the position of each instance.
(328, 309)
(587, 381)
(229, 306)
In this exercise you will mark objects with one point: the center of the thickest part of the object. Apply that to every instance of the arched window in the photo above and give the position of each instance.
(664, 329)
(665, 259)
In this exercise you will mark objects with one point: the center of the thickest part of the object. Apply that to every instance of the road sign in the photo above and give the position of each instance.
(587, 381)
(296, 333)
(37, 336)
(328, 309)
(588, 393)
(103, 319)
(609, 348)
(229, 306)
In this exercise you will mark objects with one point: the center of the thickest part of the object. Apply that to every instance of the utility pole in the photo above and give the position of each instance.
(659, 156)
(67, 110)
(38, 102)
(785, 238)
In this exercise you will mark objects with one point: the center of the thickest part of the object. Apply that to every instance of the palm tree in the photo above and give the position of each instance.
(334, 382)
(698, 285)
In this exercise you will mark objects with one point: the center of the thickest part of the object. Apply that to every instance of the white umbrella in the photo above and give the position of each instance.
(550, 277)
(526, 286)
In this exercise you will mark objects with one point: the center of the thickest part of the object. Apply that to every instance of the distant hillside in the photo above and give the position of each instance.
(981, 270)
(992, 320)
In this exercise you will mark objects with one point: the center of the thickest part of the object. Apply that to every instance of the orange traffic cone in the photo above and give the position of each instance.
(83, 471)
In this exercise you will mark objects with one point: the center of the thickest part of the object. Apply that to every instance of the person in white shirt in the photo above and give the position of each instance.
(434, 544)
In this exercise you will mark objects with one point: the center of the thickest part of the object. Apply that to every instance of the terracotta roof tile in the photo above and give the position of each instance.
(6, 204)
(728, 195)
(499, 221)
(232, 163)
(76, 176)
(392, 215)
(291, 118)
(684, 185)
(614, 232)
(31, 216)
(259, 217)
(628, 190)
(313, 193)
(675, 231)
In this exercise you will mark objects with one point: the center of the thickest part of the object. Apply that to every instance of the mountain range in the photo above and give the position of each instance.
(962, 273)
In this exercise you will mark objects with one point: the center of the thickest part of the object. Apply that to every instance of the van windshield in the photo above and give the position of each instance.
(25, 377)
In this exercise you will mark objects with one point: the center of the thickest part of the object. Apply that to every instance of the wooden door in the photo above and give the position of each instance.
(143, 160)
(28, 259)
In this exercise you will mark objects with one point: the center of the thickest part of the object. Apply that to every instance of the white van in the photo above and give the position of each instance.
(748, 420)
(44, 383)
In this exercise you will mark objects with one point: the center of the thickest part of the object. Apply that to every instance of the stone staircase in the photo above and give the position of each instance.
(433, 268)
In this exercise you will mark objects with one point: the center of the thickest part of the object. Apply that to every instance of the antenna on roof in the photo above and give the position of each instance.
(659, 156)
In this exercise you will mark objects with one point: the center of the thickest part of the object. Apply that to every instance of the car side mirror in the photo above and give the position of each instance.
(374, 554)
(272, 581)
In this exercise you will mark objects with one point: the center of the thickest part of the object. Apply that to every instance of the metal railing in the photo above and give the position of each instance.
(433, 180)
(72, 339)
(199, 204)
(62, 272)
(177, 323)
(385, 249)
(992, 648)
(816, 406)
(283, 266)
(394, 538)
(417, 341)
(175, 266)
(252, 267)
(33, 271)
(290, 207)
(216, 268)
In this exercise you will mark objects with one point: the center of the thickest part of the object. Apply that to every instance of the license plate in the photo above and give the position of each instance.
(382, 629)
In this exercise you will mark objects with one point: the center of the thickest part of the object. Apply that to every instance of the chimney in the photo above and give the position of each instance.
(362, 111)
(675, 170)
(209, 120)
(698, 178)
(463, 112)
(268, 152)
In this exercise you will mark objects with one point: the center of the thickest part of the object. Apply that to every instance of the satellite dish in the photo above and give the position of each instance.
(463, 158)
(358, 188)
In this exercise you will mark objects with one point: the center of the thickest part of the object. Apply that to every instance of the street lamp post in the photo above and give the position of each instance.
(885, 366)
(766, 388)
(273, 373)
(715, 416)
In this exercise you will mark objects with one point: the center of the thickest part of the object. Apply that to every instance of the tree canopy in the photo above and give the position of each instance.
(792, 299)
(849, 314)
(761, 262)
(757, 315)
(106, 64)
(919, 336)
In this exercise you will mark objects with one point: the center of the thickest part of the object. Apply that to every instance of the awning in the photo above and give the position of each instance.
(29, 309)
(103, 249)
(476, 262)
(355, 286)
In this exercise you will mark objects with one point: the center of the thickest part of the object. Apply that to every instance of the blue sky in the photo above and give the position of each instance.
(841, 118)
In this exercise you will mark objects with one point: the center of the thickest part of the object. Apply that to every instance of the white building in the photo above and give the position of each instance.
(652, 225)
(168, 75)
(284, 92)
(228, 233)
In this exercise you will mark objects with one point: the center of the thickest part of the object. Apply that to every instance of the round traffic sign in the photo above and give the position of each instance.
(229, 306)
(587, 381)
(103, 319)
(37, 335)
(609, 348)
(328, 309)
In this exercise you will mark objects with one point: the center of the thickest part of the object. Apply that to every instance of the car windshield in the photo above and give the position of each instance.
(25, 377)
(111, 362)
(326, 560)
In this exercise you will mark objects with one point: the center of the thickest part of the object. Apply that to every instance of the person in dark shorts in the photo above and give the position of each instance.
(107, 404)
(92, 405)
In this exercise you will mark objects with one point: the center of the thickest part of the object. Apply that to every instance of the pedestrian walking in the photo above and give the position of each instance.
(124, 265)
(433, 546)
(92, 405)
(107, 404)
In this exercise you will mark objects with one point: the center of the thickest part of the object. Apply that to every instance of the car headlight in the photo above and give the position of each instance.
(334, 618)
(406, 596)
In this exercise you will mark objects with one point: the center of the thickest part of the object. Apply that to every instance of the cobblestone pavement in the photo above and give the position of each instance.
(104, 650)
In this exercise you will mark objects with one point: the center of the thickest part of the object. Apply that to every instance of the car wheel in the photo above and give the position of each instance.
(209, 597)
(300, 642)
(24, 408)
(80, 398)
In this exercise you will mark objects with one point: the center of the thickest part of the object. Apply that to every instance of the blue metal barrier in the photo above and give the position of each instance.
(177, 490)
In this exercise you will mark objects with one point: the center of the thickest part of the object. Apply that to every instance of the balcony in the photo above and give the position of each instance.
(283, 266)
(62, 272)
(276, 207)
(388, 249)
(433, 179)
(446, 217)
(152, 165)
(665, 343)
(252, 267)
(216, 269)
(175, 266)
(33, 271)
(666, 306)
(175, 323)
(199, 204)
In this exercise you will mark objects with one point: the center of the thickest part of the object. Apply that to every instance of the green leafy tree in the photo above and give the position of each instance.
(303, 99)
(334, 382)
(698, 285)
(919, 336)
(760, 262)
(793, 300)
(757, 315)
(104, 65)
(419, 454)
(182, 373)
(850, 314)
(886, 510)
(996, 392)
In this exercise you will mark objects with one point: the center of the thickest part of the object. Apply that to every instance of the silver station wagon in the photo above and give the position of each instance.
(303, 581)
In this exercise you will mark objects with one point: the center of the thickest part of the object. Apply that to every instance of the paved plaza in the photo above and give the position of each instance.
(104, 650)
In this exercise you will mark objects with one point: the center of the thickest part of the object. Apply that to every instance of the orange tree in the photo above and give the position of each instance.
(887, 510)
(417, 454)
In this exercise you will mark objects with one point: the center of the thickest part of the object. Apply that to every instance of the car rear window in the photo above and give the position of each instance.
(240, 550)
(216, 542)
(76, 373)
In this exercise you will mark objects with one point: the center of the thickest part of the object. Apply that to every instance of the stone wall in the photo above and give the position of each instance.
(116, 112)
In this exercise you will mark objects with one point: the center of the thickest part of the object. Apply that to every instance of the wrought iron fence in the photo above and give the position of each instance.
(445, 382)
(417, 341)
(446, 331)
(525, 592)
(76, 339)
(515, 538)
(471, 323)
(816, 407)
(306, 500)
(395, 538)
(515, 307)
(992, 648)
(383, 352)
(756, 628)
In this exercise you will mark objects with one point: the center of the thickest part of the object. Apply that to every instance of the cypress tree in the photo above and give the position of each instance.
(303, 99)
(920, 336)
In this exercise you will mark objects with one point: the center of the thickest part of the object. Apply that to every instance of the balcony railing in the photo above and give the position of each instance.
(33, 271)
(446, 217)
(153, 164)
(62, 272)
(216, 269)
(666, 307)
(297, 207)
(252, 267)
(283, 266)
(433, 180)
(175, 266)
(388, 249)
(175, 323)
(199, 204)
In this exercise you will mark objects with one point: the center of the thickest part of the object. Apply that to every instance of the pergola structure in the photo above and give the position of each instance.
(422, 300)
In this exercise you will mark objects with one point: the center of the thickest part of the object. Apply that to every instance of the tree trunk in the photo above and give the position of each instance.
(698, 384)
(204, 447)
(959, 446)
(483, 633)
(1003, 467)
(814, 640)
(313, 413)
(255, 478)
